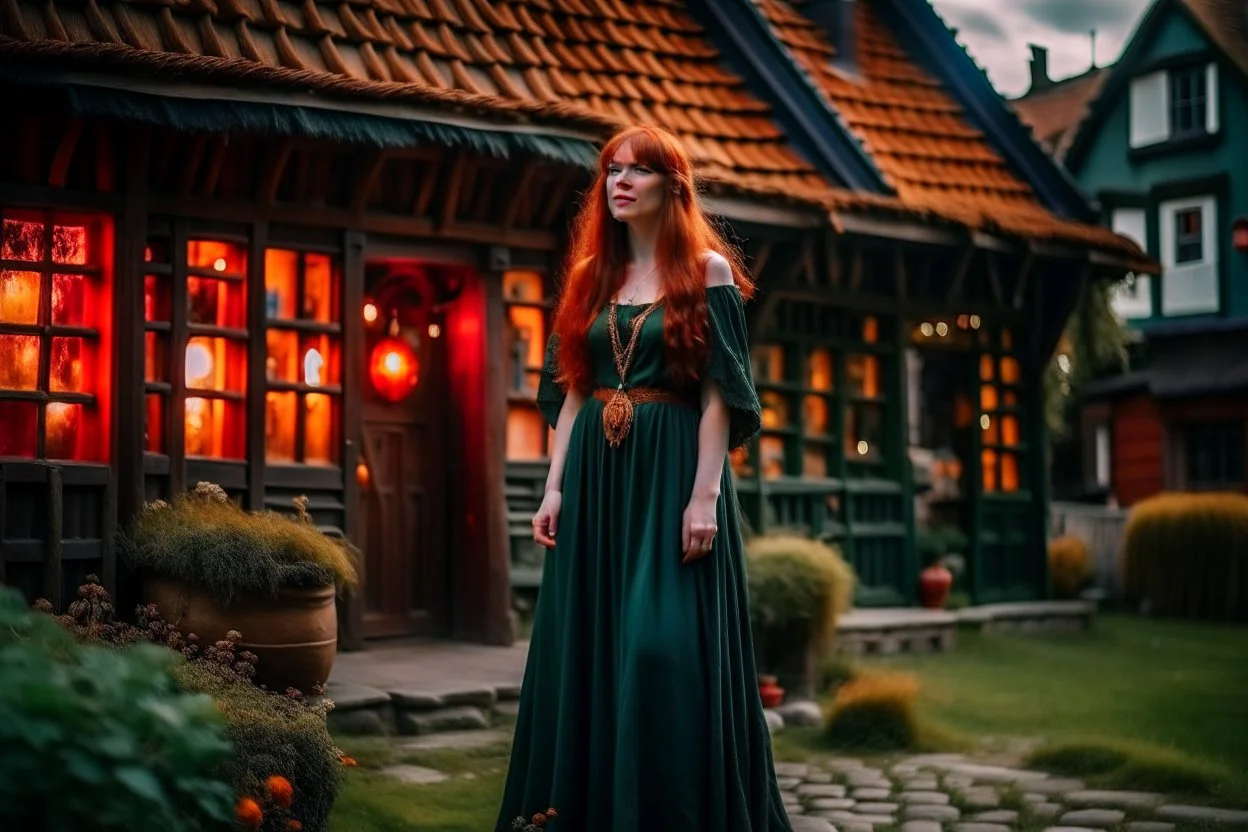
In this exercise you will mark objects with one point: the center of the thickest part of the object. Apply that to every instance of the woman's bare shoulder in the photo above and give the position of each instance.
(718, 269)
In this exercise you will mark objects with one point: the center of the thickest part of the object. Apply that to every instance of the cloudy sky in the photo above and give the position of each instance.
(996, 33)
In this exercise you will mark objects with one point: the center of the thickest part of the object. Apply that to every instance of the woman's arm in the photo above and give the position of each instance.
(700, 526)
(546, 521)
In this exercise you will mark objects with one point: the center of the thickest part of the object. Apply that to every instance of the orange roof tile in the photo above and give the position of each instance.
(1055, 112)
(581, 64)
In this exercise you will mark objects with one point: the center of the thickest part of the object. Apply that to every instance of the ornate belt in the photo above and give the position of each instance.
(617, 415)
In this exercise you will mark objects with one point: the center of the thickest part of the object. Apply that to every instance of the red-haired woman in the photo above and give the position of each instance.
(639, 710)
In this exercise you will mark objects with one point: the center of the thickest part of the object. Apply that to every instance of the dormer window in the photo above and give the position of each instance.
(1174, 104)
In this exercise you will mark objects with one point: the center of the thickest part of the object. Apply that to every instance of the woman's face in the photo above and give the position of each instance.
(634, 191)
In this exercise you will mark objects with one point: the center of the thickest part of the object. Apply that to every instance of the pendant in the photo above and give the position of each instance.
(617, 417)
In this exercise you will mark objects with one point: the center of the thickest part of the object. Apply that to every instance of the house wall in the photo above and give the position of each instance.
(1111, 173)
(1139, 469)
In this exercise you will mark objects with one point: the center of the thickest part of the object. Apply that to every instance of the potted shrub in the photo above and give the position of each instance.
(211, 567)
(798, 587)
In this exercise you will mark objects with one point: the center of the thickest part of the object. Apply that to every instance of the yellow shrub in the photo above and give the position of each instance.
(876, 711)
(1187, 555)
(1069, 565)
(798, 582)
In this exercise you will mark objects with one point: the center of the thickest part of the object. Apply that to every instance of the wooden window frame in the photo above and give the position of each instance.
(521, 400)
(997, 344)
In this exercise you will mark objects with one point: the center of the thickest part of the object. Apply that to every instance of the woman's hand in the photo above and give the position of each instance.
(699, 528)
(546, 521)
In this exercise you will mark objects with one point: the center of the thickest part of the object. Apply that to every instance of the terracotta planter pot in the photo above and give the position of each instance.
(771, 693)
(295, 635)
(934, 584)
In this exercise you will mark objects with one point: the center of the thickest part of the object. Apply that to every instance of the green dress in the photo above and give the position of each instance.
(640, 710)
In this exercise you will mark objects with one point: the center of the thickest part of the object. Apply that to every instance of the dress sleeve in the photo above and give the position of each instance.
(729, 362)
(550, 395)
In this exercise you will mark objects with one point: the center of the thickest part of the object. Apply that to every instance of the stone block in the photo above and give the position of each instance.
(416, 700)
(461, 718)
(375, 721)
(1094, 817)
(482, 697)
(932, 812)
(801, 713)
(931, 798)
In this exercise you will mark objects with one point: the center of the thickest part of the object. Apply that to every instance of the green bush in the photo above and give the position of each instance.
(1186, 555)
(207, 541)
(102, 739)
(273, 735)
(798, 587)
(874, 711)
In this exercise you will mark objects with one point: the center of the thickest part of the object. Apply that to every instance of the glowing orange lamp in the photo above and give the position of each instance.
(393, 366)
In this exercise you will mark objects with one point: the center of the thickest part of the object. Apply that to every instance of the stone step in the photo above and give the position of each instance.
(363, 710)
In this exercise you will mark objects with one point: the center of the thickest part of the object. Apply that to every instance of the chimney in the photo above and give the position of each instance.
(836, 17)
(1039, 68)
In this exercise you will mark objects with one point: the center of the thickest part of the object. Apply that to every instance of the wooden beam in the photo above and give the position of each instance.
(910, 232)
(557, 201)
(303, 165)
(994, 277)
(760, 261)
(989, 242)
(832, 254)
(1024, 274)
(428, 187)
(521, 186)
(58, 171)
(52, 545)
(105, 160)
(279, 157)
(960, 272)
(899, 271)
(220, 146)
(368, 180)
(191, 166)
(449, 189)
(855, 268)
(810, 268)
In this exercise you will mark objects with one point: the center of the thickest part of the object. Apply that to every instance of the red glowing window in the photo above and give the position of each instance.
(303, 361)
(55, 335)
(196, 346)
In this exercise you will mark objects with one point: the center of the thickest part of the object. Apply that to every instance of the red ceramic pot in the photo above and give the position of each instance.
(771, 693)
(934, 584)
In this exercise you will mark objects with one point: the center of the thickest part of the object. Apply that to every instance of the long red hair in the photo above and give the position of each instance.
(598, 257)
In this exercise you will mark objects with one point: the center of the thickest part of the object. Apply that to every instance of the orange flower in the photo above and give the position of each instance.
(349, 762)
(294, 826)
(539, 819)
(280, 790)
(248, 813)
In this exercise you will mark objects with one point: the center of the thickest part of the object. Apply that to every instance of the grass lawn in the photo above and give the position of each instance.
(1133, 704)
(1140, 702)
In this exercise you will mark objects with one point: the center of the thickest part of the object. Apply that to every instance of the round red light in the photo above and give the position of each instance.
(393, 369)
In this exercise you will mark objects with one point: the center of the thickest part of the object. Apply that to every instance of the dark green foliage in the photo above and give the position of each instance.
(1187, 555)
(273, 734)
(875, 711)
(102, 739)
(1124, 765)
(207, 541)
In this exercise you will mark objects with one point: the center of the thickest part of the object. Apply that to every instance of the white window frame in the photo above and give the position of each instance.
(1148, 111)
(1191, 288)
(1133, 300)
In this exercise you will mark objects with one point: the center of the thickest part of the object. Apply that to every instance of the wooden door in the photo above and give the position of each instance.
(404, 495)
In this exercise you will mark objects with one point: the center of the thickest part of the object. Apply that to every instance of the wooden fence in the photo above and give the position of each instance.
(1102, 529)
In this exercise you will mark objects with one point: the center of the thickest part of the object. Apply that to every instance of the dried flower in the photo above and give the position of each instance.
(247, 812)
(349, 762)
(539, 819)
(551, 813)
(294, 826)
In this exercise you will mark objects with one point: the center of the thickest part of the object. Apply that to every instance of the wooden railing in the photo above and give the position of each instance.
(1102, 529)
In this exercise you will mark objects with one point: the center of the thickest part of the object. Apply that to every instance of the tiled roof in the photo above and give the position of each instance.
(1055, 112)
(583, 64)
(1225, 22)
(916, 132)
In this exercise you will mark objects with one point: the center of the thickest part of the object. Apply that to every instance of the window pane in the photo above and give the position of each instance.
(70, 298)
(814, 461)
(864, 432)
(215, 428)
(319, 289)
(990, 428)
(319, 442)
(1009, 430)
(154, 440)
(20, 420)
(988, 398)
(279, 426)
(1009, 473)
(523, 286)
(819, 370)
(775, 410)
(156, 357)
(69, 244)
(1010, 372)
(815, 415)
(988, 462)
(155, 298)
(771, 451)
(863, 373)
(526, 434)
(215, 302)
(226, 258)
(19, 362)
(67, 369)
(768, 362)
(23, 241)
(64, 431)
(281, 281)
(526, 333)
(19, 297)
(216, 364)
